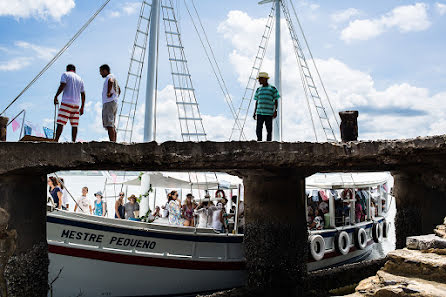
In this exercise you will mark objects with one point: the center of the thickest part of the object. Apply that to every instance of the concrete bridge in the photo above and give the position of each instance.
(273, 175)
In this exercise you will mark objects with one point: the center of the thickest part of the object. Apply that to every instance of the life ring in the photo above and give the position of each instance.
(342, 242)
(377, 232)
(317, 247)
(386, 229)
(360, 238)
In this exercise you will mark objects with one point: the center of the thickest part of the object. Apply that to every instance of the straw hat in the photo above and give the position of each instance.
(133, 196)
(263, 75)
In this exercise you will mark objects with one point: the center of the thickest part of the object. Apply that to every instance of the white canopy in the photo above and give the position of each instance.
(159, 180)
(347, 180)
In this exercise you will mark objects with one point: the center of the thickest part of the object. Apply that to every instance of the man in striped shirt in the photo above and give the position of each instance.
(73, 96)
(265, 111)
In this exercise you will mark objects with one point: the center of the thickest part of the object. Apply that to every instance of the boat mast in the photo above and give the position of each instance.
(277, 132)
(151, 72)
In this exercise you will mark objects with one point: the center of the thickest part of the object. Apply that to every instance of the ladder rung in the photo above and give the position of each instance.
(167, 7)
(181, 74)
(133, 74)
(172, 33)
(142, 32)
(137, 45)
(178, 60)
(311, 86)
(143, 17)
(175, 46)
(191, 119)
(193, 134)
(128, 102)
(184, 89)
(124, 116)
(131, 89)
(261, 47)
(170, 20)
(134, 60)
(186, 103)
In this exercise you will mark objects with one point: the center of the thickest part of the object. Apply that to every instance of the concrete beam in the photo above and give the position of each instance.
(43, 158)
(276, 235)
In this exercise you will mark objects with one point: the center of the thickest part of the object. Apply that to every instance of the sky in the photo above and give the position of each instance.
(385, 58)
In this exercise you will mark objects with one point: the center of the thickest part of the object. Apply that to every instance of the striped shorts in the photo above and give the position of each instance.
(68, 112)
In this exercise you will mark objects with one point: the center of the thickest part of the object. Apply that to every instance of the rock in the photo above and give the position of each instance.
(4, 219)
(440, 231)
(425, 242)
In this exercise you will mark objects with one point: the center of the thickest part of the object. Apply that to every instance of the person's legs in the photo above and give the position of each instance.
(109, 110)
(74, 121)
(73, 133)
(111, 133)
(59, 130)
(259, 128)
(269, 127)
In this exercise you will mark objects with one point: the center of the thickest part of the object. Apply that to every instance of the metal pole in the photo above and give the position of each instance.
(151, 72)
(277, 126)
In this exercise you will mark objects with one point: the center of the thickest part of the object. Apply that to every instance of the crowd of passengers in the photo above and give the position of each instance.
(318, 216)
(202, 213)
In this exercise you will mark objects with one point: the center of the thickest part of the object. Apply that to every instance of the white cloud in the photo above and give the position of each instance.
(344, 15)
(36, 8)
(441, 8)
(398, 111)
(42, 52)
(15, 64)
(409, 18)
(128, 8)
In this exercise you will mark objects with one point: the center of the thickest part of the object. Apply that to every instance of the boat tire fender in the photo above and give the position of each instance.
(342, 241)
(360, 238)
(377, 232)
(386, 229)
(317, 247)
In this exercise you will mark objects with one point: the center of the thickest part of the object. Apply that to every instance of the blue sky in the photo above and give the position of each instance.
(384, 58)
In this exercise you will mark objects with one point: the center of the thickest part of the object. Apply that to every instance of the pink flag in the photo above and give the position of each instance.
(15, 125)
(114, 177)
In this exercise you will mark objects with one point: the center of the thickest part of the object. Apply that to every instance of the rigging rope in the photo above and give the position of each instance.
(314, 63)
(54, 59)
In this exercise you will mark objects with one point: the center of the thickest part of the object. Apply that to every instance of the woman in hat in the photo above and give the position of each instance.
(188, 211)
(203, 213)
(130, 207)
(175, 210)
(99, 205)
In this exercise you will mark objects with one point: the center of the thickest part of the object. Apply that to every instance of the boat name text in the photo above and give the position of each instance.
(118, 241)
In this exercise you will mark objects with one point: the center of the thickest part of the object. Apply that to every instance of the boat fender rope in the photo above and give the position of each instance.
(317, 247)
(342, 241)
(360, 238)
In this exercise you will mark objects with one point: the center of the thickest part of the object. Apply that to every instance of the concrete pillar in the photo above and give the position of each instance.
(3, 123)
(24, 198)
(349, 125)
(276, 235)
(420, 207)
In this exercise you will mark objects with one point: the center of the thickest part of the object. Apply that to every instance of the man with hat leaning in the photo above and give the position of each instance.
(265, 111)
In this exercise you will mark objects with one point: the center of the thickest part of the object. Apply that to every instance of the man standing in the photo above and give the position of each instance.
(73, 91)
(265, 111)
(110, 94)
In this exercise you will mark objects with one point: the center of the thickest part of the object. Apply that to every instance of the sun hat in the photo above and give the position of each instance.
(99, 193)
(133, 196)
(263, 75)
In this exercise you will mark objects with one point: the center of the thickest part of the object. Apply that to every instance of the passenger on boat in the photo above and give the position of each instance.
(157, 213)
(131, 207)
(83, 204)
(165, 208)
(55, 192)
(65, 204)
(241, 214)
(359, 211)
(99, 208)
(187, 211)
(318, 221)
(310, 214)
(175, 209)
(203, 213)
(119, 207)
(323, 206)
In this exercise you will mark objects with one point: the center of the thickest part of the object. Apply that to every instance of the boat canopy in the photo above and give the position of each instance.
(159, 180)
(347, 180)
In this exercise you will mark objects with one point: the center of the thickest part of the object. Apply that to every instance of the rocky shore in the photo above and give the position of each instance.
(417, 270)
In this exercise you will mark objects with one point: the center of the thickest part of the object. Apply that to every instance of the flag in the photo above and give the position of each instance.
(49, 133)
(114, 177)
(15, 125)
(28, 130)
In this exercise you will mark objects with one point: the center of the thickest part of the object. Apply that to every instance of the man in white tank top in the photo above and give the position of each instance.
(110, 94)
(73, 96)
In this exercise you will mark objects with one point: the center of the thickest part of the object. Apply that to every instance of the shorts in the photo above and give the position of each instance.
(109, 110)
(68, 112)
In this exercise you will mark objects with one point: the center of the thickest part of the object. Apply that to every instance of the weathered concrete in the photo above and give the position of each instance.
(24, 198)
(276, 235)
(349, 125)
(420, 200)
(3, 123)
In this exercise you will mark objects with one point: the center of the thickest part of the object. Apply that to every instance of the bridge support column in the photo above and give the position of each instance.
(420, 201)
(276, 234)
(24, 198)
